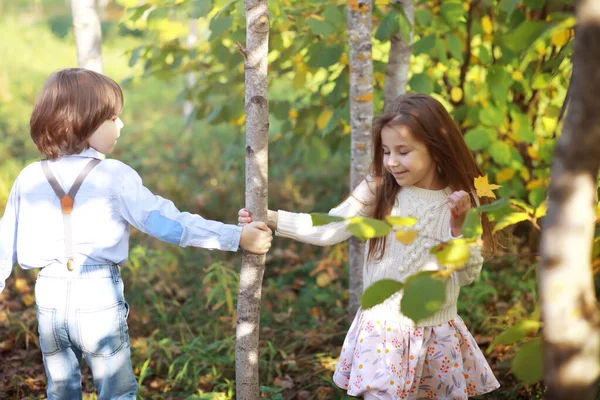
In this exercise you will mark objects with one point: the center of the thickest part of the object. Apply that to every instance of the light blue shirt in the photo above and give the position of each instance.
(111, 199)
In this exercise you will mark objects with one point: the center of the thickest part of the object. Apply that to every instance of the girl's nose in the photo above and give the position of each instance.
(120, 123)
(391, 161)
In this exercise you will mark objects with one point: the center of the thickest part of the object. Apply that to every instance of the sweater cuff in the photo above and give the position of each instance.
(289, 224)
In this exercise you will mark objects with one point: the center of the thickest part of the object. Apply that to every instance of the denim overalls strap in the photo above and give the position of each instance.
(67, 201)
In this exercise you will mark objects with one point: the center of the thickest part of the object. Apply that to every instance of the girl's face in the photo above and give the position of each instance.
(105, 137)
(408, 159)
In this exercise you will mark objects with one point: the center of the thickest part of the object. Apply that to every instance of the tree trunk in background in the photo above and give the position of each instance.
(396, 71)
(361, 119)
(88, 35)
(257, 148)
(192, 38)
(569, 308)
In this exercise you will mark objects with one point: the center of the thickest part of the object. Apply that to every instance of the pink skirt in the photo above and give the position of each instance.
(391, 360)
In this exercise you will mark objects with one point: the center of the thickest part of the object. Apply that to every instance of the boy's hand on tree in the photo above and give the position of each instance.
(459, 204)
(256, 238)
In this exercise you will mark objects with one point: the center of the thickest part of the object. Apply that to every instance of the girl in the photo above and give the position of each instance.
(421, 167)
(79, 292)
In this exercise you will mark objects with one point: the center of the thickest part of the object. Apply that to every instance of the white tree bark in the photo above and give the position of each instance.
(88, 35)
(396, 71)
(361, 119)
(570, 315)
(257, 130)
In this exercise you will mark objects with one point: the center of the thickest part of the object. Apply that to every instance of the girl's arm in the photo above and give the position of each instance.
(299, 226)
(8, 235)
(160, 218)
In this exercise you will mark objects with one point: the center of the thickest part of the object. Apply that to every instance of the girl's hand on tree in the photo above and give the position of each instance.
(244, 217)
(459, 204)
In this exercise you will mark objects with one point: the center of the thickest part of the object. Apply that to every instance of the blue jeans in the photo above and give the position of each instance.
(83, 313)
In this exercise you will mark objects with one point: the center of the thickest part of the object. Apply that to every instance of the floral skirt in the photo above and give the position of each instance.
(390, 360)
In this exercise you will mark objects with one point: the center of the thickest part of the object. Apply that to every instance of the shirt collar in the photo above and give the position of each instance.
(90, 152)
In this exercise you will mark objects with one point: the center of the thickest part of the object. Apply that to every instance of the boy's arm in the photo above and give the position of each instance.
(8, 235)
(160, 218)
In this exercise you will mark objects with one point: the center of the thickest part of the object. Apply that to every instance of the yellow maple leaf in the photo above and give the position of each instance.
(406, 237)
(505, 175)
(486, 25)
(484, 187)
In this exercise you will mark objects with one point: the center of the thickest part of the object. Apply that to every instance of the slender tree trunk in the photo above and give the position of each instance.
(88, 35)
(192, 38)
(396, 71)
(361, 119)
(257, 149)
(571, 332)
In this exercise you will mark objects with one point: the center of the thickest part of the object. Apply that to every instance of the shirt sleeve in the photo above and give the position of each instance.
(8, 235)
(299, 226)
(160, 218)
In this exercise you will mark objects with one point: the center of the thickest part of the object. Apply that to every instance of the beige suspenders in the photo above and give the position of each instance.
(66, 202)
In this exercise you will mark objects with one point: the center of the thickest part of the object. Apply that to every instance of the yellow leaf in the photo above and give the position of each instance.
(239, 121)
(379, 78)
(382, 2)
(28, 300)
(486, 24)
(560, 37)
(300, 75)
(406, 237)
(324, 118)
(21, 286)
(343, 59)
(347, 128)
(293, 114)
(456, 94)
(323, 279)
(401, 221)
(533, 153)
(505, 175)
(536, 183)
(517, 75)
(484, 188)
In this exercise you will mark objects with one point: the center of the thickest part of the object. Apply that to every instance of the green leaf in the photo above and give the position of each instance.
(454, 44)
(423, 17)
(135, 55)
(454, 253)
(401, 221)
(327, 55)
(423, 45)
(479, 138)
(472, 228)
(421, 83)
(500, 152)
(368, 228)
(453, 12)
(334, 16)
(537, 196)
(388, 27)
(495, 206)
(526, 33)
(541, 81)
(510, 219)
(322, 28)
(220, 26)
(200, 8)
(528, 363)
(508, 6)
(423, 296)
(138, 12)
(517, 332)
(491, 116)
(324, 219)
(499, 82)
(378, 292)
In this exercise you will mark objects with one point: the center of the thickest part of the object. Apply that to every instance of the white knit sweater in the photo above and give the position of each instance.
(400, 260)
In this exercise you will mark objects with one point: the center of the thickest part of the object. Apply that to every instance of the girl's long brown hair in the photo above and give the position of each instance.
(430, 123)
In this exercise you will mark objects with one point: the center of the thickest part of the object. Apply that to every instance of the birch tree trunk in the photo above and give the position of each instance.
(361, 119)
(396, 71)
(569, 308)
(88, 35)
(257, 129)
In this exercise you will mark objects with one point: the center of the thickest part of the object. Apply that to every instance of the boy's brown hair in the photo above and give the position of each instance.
(73, 103)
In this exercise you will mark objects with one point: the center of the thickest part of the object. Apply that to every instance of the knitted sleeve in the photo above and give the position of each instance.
(299, 226)
(472, 268)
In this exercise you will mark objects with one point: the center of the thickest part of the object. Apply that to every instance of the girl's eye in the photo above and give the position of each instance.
(386, 153)
(406, 152)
